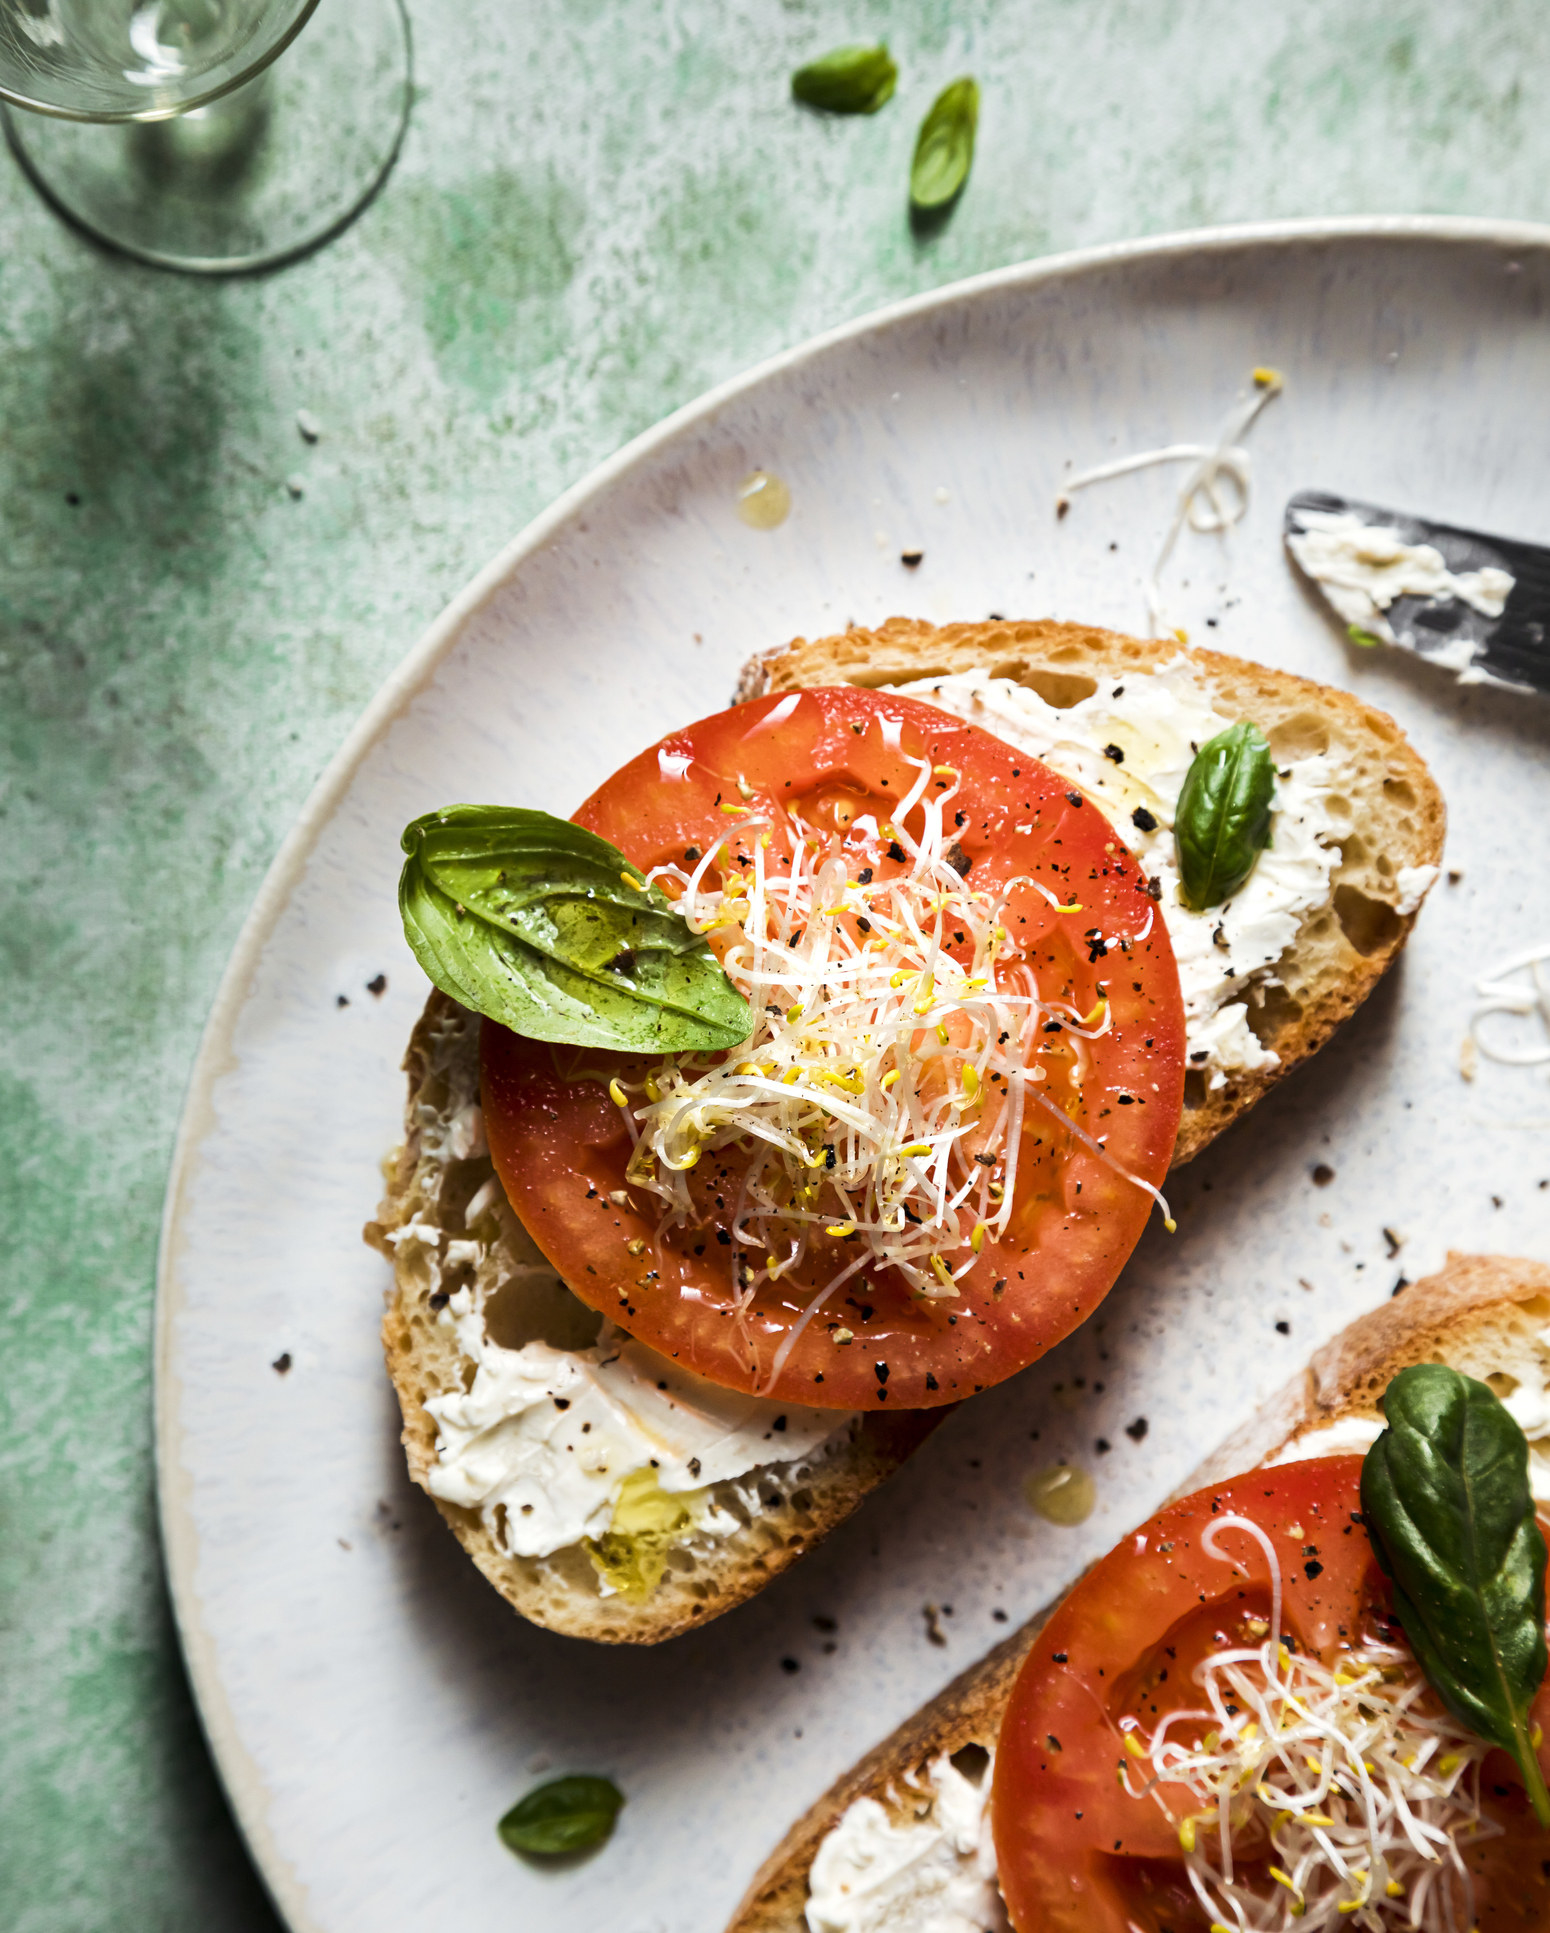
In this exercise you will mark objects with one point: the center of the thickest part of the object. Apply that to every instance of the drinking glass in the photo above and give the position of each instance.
(161, 126)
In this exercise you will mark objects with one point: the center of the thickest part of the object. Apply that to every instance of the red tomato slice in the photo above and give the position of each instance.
(1077, 1854)
(832, 764)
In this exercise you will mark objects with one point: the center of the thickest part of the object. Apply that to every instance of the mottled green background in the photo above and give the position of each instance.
(601, 209)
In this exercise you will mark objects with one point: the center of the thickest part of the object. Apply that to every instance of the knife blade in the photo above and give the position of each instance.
(1475, 604)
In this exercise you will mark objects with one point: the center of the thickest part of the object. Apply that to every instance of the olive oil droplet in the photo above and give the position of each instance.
(1063, 1494)
(763, 501)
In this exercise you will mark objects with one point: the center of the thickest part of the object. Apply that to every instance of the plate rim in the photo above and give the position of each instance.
(244, 1787)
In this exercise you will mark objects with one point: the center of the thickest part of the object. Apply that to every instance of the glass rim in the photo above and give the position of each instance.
(251, 71)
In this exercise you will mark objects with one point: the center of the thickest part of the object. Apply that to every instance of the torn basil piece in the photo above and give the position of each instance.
(1222, 823)
(944, 148)
(851, 80)
(567, 1815)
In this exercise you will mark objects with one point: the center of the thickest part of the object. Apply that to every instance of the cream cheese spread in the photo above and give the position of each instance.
(935, 1873)
(544, 1438)
(1522, 1380)
(1156, 721)
(1362, 568)
(1412, 883)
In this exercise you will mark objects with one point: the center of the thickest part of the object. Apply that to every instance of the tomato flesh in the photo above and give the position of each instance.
(1076, 1853)
(831, 765)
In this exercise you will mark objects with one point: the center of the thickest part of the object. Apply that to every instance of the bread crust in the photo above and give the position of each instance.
(1440, 1319)
(1451, 1314)
(1338, 957)
(562, 1592)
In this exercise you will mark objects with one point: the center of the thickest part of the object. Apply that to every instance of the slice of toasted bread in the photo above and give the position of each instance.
(1481, 1313)
(1389, 801)
(439, 1171)
(1342, 950)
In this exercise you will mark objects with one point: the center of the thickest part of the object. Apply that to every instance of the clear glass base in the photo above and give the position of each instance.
(263, 174)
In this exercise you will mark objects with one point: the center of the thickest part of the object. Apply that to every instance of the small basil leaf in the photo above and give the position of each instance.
(533, 922)
(1446, 1498)
(944, 148)
(851, 80)
(566, 1815)
(1222, 824)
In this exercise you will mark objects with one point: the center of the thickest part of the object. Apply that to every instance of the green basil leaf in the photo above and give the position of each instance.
(1222, 824)
(529, 920)
(1446, 1497)
(851, 80)
(944, 148)
(566, 1815)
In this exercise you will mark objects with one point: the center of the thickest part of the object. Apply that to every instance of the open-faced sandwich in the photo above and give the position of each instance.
(1308, 1694)
(825, 1068)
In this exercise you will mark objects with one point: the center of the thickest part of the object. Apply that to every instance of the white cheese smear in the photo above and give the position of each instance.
(1412, 883)
(1157, 721)
(544, 1439)
(1364, 567)
(930, 1874)
(1526, 1367)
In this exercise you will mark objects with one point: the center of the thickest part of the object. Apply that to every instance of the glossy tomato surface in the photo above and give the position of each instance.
(1077, 1854)
(831, 765)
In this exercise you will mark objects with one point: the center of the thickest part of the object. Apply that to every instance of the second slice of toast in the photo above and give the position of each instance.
(1483, 1314)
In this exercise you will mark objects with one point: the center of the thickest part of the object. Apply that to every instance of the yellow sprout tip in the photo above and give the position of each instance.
(635, 885)
(1267, 378)
(617, 1095)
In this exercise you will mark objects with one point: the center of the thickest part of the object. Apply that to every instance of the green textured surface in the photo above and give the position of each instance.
(600, 210)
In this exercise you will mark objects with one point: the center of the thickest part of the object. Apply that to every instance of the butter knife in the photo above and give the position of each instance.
(1477, 605)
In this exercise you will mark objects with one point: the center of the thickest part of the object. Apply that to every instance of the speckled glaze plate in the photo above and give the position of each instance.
(373, 1705)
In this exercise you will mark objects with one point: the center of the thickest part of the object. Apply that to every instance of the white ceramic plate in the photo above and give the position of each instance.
(373, 1705)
